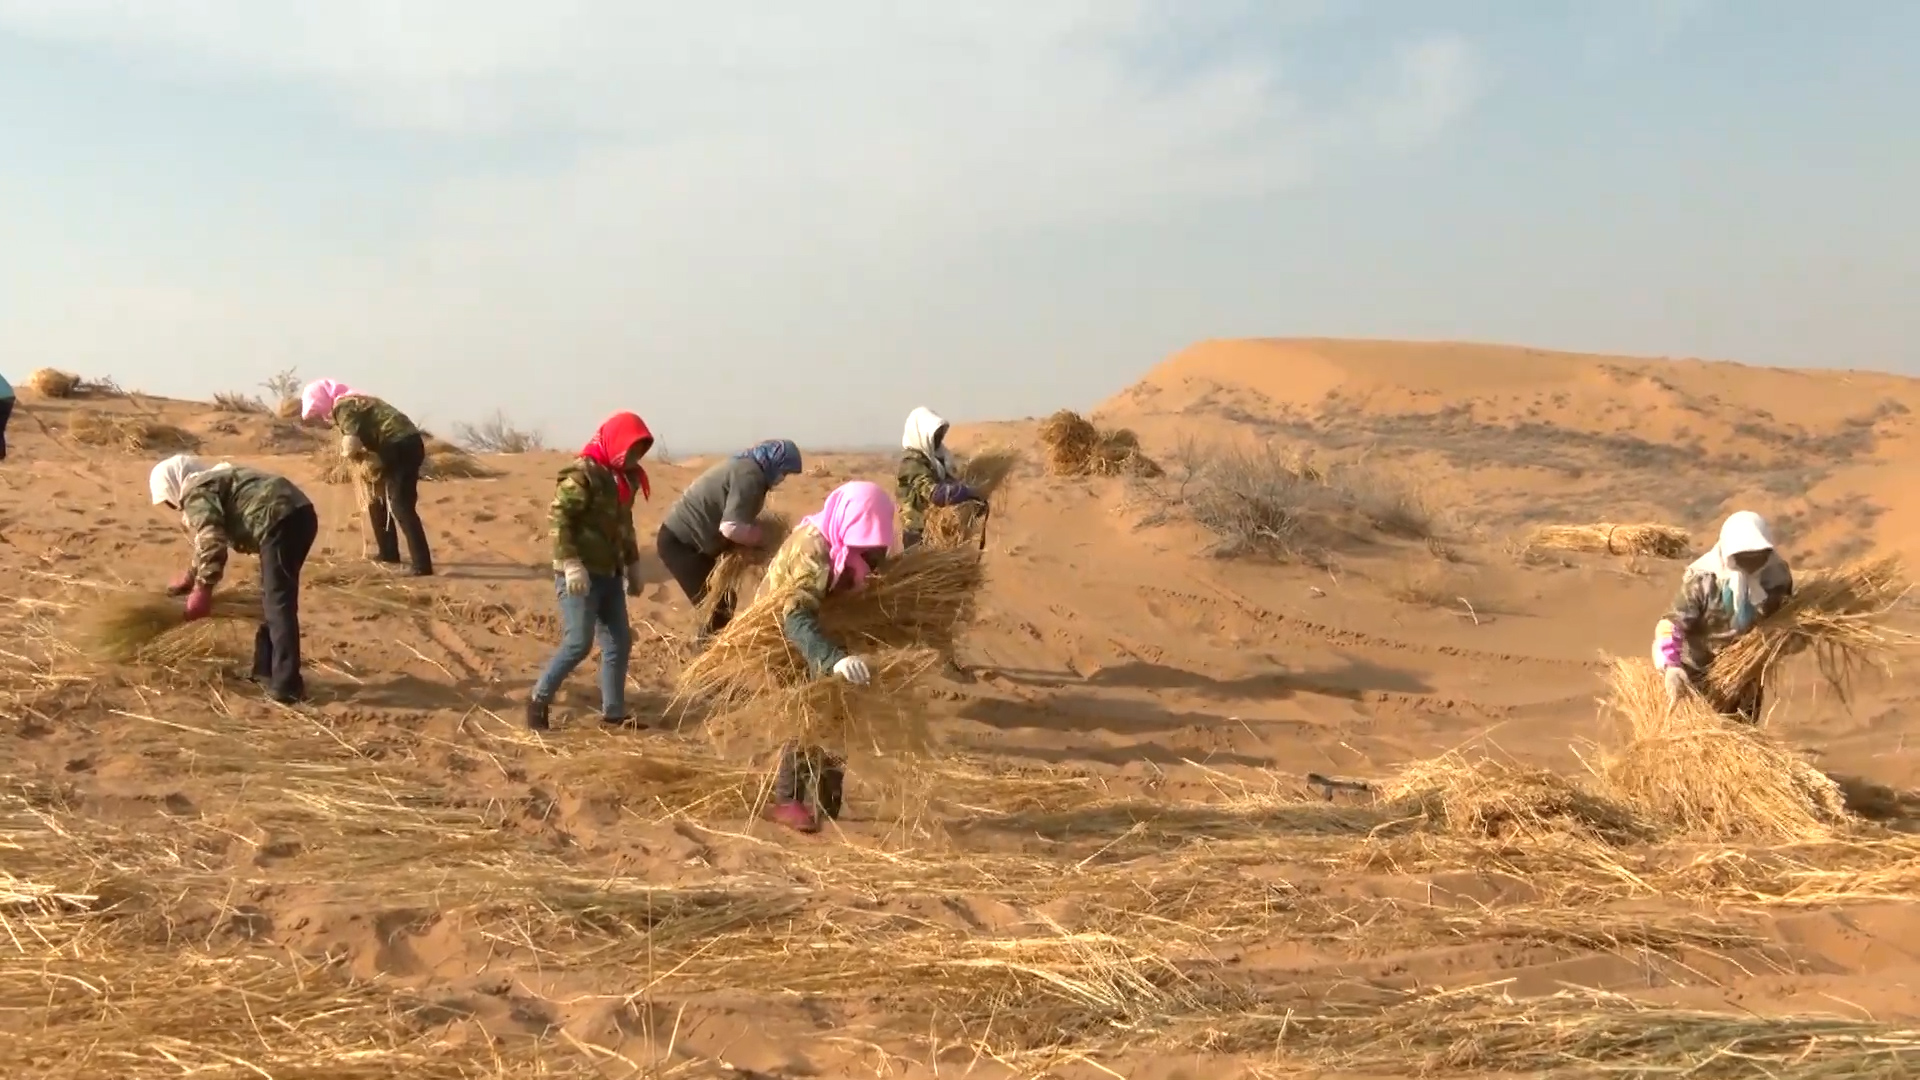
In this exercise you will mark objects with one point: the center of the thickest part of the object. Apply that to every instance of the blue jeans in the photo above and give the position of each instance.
(601, 613)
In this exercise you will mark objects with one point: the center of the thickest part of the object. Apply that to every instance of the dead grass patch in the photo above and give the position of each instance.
(233, 402)
(497, 435)
(132, 434)
(1656, 541)
(1075, 447)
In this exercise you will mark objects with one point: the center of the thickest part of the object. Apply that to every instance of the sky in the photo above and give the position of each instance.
(746, 220)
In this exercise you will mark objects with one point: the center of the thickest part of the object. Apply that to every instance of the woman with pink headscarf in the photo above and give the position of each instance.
(827, 552)
(374, 432)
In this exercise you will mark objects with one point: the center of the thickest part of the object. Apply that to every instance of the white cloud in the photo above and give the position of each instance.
(773, 158)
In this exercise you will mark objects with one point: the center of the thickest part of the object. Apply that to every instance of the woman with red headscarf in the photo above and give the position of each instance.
(596, 562)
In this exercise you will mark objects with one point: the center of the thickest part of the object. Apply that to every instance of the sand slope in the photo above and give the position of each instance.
(599, 901)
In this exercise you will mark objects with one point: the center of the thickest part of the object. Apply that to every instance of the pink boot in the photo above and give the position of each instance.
(794, 816)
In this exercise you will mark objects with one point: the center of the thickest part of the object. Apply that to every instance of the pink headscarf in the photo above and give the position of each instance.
(858, 514)
(316, 401)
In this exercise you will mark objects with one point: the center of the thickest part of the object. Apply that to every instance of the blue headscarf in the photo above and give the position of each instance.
(777, 458)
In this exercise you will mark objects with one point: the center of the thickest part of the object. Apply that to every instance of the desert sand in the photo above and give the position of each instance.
(1124, 871)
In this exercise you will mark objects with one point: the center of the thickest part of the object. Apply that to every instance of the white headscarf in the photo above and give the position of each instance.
(922, 426)
(171, 478)
(1741, 533)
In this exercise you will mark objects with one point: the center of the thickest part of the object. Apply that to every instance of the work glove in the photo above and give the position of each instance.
(634, 580)
(199, 603)
(952, 493)
(350, 446)
(1678, 685)
(854, 670)
(576, 575)
(181, 585)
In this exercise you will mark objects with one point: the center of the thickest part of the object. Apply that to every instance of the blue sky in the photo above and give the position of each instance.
(745, 220)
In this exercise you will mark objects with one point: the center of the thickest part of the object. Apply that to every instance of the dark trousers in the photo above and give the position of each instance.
(6, 413)
(276, 644)
(690, 567)
(396, 507)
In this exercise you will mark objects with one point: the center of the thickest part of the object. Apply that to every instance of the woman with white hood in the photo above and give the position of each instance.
(929, 473)
(1723, 594)
(228, 507)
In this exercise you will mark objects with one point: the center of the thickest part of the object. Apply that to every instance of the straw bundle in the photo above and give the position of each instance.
(1656, 541)
(1838, 615)
(986, 473)
(883, 719)
(1701, 775)
(921, 599)
(445, 461)
(50, 383)
(736, 564)
(1075, 447)
(1503, 801)
(134, 434)
(288, 409)
(131, 627)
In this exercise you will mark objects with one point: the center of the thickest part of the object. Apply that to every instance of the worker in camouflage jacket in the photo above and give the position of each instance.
(929, 474)
(596, 562)
(374, 432)
(1723, 595)
(235, 508)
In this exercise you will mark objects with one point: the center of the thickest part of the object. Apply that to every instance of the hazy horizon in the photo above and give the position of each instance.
(803, 224)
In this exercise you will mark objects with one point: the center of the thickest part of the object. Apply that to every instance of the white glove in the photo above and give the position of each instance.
(1678, 684)
(350, 445)
(854, 670)
(576, 572)
(634, 580)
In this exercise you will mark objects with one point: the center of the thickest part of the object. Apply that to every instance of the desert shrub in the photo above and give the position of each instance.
(497, 435)
(282, 385)
(238, 403)
(1269, 501)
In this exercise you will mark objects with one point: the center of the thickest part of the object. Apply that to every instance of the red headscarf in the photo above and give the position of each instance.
(609, 447)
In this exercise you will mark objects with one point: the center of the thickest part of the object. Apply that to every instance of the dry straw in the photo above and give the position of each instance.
(1656, 541)
(1840, 616)
(1499, 800)
(134, 434)
(129, 627)
(737, 565)
(51, 383)
(1700, 775)
(1075, 447)
(288, 408)
(987, 473)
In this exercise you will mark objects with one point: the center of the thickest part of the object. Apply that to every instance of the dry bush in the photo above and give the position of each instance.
(134, 434)
(1656, 541)
(1432, 585)
(1700, 775)
(1840, 616)
(1075, 447)
(238, 403)
(1268, 501)
(497, 435)
(52, 383)
(283, 384)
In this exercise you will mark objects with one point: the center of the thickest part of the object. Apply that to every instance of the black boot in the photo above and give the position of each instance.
(538, 711)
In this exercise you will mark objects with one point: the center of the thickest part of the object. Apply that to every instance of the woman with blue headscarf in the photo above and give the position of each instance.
(1722, 595)
(721, 510)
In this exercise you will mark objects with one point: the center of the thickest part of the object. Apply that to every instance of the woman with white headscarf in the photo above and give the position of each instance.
(929, 473)
(228, 507)
(1723, 594)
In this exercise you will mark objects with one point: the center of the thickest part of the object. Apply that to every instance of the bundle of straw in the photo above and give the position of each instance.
(883, 719)
(132, 627)
(288, 409)
(1486, 798)
(445, 461)
(921, 599)
(1838, 615)
(134, 434)
(986, 472)
(1656, 541)
(1701, 775)
(736, 564)
(49, 383)
(1075, 447)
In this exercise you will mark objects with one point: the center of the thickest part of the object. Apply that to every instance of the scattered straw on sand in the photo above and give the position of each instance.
(737, 565)
(1500, 800)
(1656, 541)
(130, 627)
(51, 383)
(134, 434)
(1075, 447)
(1838, 615)
(1698, 774)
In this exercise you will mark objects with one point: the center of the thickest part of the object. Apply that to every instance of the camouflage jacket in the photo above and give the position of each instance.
(802, 574)
(1703, 610)
(916, 482)
(375, 423)
(589, 522)
(233, 509)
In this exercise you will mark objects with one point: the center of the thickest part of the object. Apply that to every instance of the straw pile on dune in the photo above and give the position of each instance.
(1075, 447)
(1656, 541)
(53, 383)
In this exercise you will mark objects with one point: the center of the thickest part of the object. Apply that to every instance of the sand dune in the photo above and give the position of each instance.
(1124, 864)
